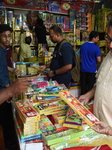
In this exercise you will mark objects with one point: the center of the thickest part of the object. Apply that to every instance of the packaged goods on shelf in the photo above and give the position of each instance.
(83, 112)
(26, 68)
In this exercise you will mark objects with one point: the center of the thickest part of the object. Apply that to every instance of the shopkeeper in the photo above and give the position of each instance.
(25, 50)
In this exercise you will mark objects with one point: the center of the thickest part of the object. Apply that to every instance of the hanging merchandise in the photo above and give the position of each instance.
(2, 15)
(10, 3)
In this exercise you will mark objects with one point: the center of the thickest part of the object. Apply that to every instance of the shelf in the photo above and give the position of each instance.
(51, 45)
(19, 45)
(15, 45)
(67, 31)
(44, 11)
(16, 29)
(58, 13)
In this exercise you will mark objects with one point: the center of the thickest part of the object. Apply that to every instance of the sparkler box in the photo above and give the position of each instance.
(51, 107)
(82, 111)
(26, 111)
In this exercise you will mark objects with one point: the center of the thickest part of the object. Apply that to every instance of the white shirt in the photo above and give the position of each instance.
(103, 93)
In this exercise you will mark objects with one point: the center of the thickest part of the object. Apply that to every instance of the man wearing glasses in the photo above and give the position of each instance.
(102, 91)
(6, 117)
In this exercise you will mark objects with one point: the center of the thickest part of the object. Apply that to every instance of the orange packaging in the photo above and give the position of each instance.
(82, 111)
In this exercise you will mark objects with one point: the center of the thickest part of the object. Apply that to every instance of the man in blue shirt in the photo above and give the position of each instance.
(90, 56)
(61, 63)
(6, 116)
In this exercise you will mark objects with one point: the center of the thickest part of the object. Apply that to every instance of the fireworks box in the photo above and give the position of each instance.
(60, 111)
(80, 109)
(26, 111)
(46, 108)
(43, 99)
(59, 118)
(34, 84)
(46, 125)
(60, 137)
(47, 91)
(72, 120)
(28, 128)
(76, 139)
(30, 137)
(59, 127)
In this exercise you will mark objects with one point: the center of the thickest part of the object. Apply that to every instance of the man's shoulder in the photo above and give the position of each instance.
(66, 45)
(2, 50)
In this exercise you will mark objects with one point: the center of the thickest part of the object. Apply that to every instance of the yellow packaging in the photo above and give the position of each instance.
(31, 59)
(22, 68)
(32, 70)
(80, 109)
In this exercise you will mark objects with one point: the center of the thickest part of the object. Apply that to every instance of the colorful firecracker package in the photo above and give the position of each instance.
(72, 120)
(80, 109)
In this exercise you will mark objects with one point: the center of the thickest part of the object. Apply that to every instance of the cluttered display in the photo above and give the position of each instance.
(50, 116)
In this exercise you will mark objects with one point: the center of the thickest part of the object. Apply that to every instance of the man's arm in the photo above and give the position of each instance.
(14, 71)
(98, 59)
(60, 71)
(16, 88)
(88, 96)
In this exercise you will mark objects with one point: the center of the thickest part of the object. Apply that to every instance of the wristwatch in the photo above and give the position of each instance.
(54, 72)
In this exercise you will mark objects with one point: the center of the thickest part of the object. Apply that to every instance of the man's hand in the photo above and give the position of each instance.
(103, 128)
(42, 68)
(16, 88)
(19, 86)
(84, 98)
(16, 72)
(51, 74)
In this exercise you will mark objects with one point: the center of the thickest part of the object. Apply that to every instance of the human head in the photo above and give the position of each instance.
(108, 37)
(55, 33)
(94, 36)
(28, 40)
(5, 35)
(39, 22)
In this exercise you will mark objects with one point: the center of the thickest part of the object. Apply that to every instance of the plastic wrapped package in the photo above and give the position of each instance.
(80, 138)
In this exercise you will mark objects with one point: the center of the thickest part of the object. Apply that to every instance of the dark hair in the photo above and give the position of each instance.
(93, 34)
(56, 29)
(39, 22)
(109, 24)
(28, 40)
(5, 27)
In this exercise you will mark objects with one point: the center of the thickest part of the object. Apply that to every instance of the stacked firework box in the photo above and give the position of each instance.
(45, 98)
(52, 113)
(70, 138)
(27, 117)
